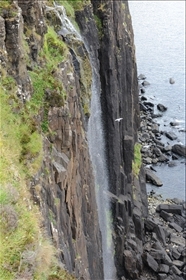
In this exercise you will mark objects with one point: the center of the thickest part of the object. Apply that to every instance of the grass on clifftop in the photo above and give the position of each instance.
(25, 252)
(71, 5)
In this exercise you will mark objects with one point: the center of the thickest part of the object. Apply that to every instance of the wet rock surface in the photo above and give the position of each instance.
(67, 193)
(156, 143)
(119, 98)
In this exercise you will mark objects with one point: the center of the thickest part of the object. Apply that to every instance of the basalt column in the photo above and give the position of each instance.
(119, 99)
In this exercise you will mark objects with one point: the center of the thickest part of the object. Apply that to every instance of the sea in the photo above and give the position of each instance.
(159, 36)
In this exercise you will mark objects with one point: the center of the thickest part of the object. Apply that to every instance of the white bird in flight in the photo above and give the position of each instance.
(118, 120)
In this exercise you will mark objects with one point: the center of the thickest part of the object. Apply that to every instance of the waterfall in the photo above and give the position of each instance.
(97, 152)
(96, 144)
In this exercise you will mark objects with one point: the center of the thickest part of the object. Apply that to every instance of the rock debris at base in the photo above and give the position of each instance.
(164, 250)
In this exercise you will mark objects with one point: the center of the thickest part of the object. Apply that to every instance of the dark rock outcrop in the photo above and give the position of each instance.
(64, 187)
(119, 98)
(179, 150)
(171, 135)
(150, 176)
(161, 107)
(163, 249)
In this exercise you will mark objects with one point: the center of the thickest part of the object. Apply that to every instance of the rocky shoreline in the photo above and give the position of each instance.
(164, 248)
(155, 148)
(164, 253)
(165, 244)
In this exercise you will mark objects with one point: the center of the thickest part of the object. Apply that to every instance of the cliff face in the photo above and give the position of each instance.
(63, 186)
(115, 53)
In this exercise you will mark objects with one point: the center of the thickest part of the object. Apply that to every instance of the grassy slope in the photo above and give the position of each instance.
(23, 247)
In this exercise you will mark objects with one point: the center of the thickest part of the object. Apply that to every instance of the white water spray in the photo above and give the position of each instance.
(97, 150)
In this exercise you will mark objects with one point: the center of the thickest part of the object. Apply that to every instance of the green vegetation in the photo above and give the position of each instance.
(136, 164)
(99, 26)
(19, 223)
(78, 5)
(23, 247)
(8, 8)
(48, 88)
(123, 6)
(71, 5)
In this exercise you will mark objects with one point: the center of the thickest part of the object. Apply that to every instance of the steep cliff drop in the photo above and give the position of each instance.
(115, 53)
(51, 74)
(95, 139)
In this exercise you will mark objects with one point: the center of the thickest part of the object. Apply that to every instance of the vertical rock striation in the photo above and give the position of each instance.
(119, 99)
(64, 187)
(66, 193)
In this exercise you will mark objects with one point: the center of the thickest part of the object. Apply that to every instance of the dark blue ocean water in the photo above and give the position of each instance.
(159, 34)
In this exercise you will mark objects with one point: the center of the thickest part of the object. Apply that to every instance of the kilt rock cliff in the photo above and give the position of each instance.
(73, 194)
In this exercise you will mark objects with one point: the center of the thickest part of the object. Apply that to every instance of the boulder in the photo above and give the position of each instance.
(150, 224)
(155, 128)
(179, 220)
(157, 254)
(162, 276)
(156, 116)
(150, 104)
(130, 263)
(157, 151)
(161, 107)
(164, 268)
(172, 163)
(162, 158)
(178, 263)
(159, 143)
(141, 77)
(143, 98)
(174, 157)
(160, 234)
(150, 261)
(179, 149)
(175, 226)
(151, 177)
(174, 123)
(175, 270)
(167, 148)
(145, 83)
(171, 81)
(178, 240)
(145, 136)
(143, 107)
(170, 208)
(147, 160)
(176, 255)
(171, 135)
(166, 216)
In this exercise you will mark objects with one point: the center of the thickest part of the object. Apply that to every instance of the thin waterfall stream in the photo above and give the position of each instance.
(97, 153)
(96, 145)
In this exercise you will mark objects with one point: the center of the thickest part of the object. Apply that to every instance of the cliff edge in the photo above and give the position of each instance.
(46, 78)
